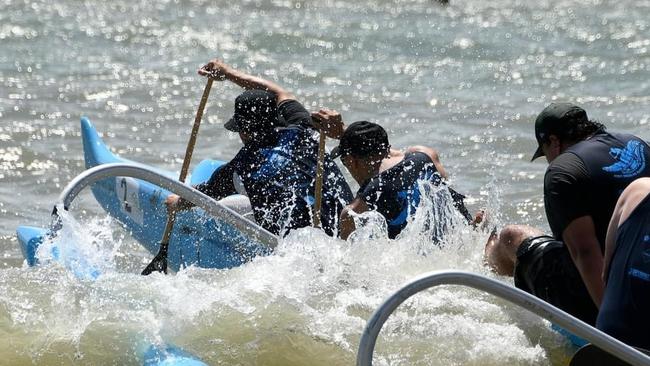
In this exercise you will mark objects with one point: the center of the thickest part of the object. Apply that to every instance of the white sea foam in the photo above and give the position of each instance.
(311, 298)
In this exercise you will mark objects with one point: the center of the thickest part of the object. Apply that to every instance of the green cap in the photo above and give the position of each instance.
(558, 119)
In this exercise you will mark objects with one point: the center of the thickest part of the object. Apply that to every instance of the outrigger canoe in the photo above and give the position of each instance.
(197, 239)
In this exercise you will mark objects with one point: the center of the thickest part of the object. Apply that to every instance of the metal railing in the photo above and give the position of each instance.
(210, 205)
(496, 288)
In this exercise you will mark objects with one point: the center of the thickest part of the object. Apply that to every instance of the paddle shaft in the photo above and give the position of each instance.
(164, 244)
(318, 189)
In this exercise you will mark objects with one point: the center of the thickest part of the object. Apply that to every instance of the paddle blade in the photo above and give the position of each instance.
(159, 262)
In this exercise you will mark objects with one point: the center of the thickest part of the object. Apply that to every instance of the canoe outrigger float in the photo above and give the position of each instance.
(219, 237)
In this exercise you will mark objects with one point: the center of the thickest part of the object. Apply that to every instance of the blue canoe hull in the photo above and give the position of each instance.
(30, 238)
(170, 355)
(197, 239)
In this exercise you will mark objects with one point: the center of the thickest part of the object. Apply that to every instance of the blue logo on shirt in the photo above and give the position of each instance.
(630, 161)
(639, 274)
(645, 255)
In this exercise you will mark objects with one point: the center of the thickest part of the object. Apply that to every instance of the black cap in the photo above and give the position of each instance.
(254, 110)
(558, 119)
(362, 139)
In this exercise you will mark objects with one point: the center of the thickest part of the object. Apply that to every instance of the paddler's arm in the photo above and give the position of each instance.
(566, 201)
(580, 238)
(218, 70)
(610, 241)
(220, 185)
(346, 224)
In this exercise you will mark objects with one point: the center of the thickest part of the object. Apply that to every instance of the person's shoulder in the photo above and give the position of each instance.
(294, 113)
(243, 156)
(617, 134)
(566, 168)
(430, 152)
(566, 162)
(287, 103)
(629, 136)
(639, 186)
(635, 193)
(291, 106)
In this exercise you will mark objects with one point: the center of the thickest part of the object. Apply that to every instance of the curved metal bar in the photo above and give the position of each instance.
(211, 206)
(512, 294)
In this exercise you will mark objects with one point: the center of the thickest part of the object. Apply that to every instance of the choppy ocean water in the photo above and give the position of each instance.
(467, 79)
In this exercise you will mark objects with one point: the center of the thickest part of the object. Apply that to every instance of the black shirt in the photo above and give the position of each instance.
(396, 194)
(278, 175)
(588, 178)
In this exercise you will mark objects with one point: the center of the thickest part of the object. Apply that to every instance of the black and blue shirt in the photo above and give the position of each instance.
(624, 310)
(588, 178)
(396, 193)
(278, 175)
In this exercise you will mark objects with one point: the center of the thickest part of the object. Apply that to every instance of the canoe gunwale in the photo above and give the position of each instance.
(211, 206)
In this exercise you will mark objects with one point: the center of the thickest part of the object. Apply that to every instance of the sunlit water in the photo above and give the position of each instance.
(467, 79)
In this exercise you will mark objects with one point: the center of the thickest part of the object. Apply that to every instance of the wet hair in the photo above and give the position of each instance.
(582, 130)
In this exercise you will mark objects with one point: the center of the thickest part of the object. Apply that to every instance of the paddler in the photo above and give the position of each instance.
(391, 181)
(276, 167)
(624, 310)
(588, 169)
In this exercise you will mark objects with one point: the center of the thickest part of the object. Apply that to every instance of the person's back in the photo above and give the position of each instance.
(624, 310)
(391, 182)
(589, 176)
(396, 193)
(588, 169)
(278, 176)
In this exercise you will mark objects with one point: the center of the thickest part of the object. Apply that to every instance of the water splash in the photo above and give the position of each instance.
(305, 304)
(87, 250)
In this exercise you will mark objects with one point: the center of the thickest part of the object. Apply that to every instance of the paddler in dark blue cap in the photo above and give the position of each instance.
(588, 169)
(276, 167)
(390, 180)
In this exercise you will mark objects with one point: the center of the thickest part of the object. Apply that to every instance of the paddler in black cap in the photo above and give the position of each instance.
(276, 167)
(390, 179)
(588, 169)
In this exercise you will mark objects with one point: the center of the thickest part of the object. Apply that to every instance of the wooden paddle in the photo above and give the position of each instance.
(159, 262)
(318, 189)
(590, 355)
